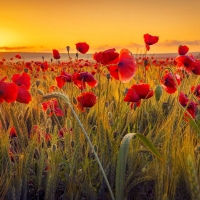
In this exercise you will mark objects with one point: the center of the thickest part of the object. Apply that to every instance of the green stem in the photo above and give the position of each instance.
(66, 99)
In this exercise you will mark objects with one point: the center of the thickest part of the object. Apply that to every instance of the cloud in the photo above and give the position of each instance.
(172, 43)
(15, 48)
(131, 45)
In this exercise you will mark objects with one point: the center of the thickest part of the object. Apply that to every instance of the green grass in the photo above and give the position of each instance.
(166, 166)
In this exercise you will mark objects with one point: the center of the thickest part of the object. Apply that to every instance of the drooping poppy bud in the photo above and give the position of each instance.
(158, 92)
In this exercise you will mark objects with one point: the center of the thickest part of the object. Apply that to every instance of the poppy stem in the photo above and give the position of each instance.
(66, 100)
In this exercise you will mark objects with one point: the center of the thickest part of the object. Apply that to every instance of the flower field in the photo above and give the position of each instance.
(114, 127)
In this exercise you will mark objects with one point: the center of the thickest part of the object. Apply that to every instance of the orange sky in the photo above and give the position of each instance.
(35, 25)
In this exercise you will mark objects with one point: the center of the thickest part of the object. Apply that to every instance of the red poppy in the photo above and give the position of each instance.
(186, 63)
(81, 78)
(191, 106)
(82, 47)
(18, 56)
(182, 50)
(23, 79)
(63, 78)
(125, 68)
(169, 83)
(138, 92)
(106, 57)
(192, 109)
(8, 91)
(196, 91)
(23, 95)
(13, 132)
(52, 106)
(36, 130)
(86, 100)
(56, 54)
(183, 99)
(44, 66)
(150, 40)
(196, 69)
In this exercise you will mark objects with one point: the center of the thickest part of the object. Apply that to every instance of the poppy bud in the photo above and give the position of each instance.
(74, 100)
(145, 62)
(108, 76)
(68, 124)
(54, 148)
(125, 91)
(109, 115)
(40, 92)
(68, 48)
(72, 143)
(36, 153)
(26, 70)
(48, 111)
(37, 83)
(158, 92)
(115, 134)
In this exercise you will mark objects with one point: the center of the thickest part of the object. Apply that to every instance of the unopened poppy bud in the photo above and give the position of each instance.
(108, 76)
(26, 70)
(37, 83)
(145, 62)
(68, 124)
(115, 134)
(158, 92)
(68, 48)
(72, 143)
(74, 100)
(125, 91)
(54, 147)
(36, 153)
(48, 111)
(40, 92)
(109, 115)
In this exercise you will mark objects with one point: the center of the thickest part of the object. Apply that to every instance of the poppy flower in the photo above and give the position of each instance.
(125, 68)
(13, 132)
(36, 130)
(183, 99)
(150, 40)
(52, 106)
(106, 57)
(169, 83)
(23, 95)
(63, 78)
(18, 56)
(8, 91)
(138, 92)
(191, 105)
(196, 69)
(196, 91)
(182, 49)
(82, 47)
(23, 79)
(186, 63)
(56, 54)
(86, 100)
(44, 66)
(79, 79)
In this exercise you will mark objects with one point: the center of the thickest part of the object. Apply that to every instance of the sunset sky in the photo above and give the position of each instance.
(35, 25)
